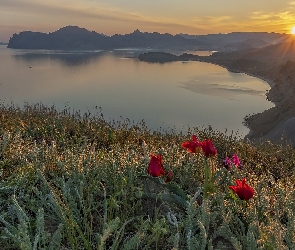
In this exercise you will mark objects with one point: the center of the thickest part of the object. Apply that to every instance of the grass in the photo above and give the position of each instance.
(72, 181)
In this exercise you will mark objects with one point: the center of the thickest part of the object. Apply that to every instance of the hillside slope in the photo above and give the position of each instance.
(276, 65)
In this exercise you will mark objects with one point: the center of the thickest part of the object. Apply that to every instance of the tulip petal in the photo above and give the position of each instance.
(243, 190)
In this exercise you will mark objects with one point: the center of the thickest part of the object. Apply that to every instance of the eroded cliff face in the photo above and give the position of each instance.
(276, 123)
(276, 65)
(284, 78)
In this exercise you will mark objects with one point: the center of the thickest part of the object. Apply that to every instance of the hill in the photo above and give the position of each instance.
(237, 37)
(76, 38)
(282, 52)
(68, 38)
(74, 181)
(274, 64)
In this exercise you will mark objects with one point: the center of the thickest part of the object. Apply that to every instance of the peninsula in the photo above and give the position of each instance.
(276, 65)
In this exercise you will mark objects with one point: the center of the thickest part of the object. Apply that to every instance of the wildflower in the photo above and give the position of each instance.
(236, 160)
(192, 145)
(208, 148)
(243, 190)
(227, 163)
(155, 167)
(169, 177)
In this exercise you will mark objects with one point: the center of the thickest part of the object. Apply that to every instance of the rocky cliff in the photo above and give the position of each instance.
(276, 65)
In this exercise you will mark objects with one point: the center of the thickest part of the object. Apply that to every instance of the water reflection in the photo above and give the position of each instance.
(174, 95)
(226, 87)
(75, 58)
(79, 58)
(67, 59)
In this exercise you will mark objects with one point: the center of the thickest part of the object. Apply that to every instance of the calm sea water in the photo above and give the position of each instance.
(171, 95)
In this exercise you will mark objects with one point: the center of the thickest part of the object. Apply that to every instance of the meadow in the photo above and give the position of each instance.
(76, 181)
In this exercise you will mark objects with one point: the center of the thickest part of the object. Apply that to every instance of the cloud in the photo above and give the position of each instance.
(217, 19)
(213, 20)
(283, 18)
(255, 21)
(260, 16)
(274, 21)
(65, 9)
(212, 24)
(48, 16)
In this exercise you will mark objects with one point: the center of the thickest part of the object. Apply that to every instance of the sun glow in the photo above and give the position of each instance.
(293, 30)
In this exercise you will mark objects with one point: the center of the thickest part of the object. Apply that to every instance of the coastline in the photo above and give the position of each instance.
(271, 83)
(271, 124)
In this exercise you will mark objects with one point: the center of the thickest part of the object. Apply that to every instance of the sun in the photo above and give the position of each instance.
(293, 30)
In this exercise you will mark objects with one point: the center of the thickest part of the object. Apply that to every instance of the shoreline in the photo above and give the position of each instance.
(270, 123)
(268, 81)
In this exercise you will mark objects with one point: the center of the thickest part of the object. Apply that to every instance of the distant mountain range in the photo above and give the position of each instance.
(76, 38)
(1, 43)
(271, 54)
(237, 37)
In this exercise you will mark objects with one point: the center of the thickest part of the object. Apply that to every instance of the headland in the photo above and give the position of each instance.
(274, 64)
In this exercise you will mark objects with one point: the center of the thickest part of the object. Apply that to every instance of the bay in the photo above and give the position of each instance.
(173, 95)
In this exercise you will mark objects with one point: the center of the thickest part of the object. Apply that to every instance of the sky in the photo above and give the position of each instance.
(164, 16)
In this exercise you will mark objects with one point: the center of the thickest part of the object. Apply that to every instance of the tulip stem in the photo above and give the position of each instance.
(207, 172)
(208, 185)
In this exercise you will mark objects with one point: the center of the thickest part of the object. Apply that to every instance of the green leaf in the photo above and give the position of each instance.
(138, 193)
(173, 198)
(218, 174)
(172, 187)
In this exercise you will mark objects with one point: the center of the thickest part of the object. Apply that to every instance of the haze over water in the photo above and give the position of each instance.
(171, 95)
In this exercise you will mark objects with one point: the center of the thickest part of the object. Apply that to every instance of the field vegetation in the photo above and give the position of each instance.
(76, 181)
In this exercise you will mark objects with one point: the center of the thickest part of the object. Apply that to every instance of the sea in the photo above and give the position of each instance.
(115, 84)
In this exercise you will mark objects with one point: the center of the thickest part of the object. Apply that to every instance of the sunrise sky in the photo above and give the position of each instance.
(125, 16)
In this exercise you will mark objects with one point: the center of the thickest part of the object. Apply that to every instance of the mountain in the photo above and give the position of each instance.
(66, 38)
(278, 122)
(236, 41)
(1, 43)
(236, 37)
(275, 64)
(245, 45)
(75, 38)
(279, 52)
(275, 53)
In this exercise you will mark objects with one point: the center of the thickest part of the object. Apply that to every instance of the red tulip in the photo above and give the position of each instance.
(155, 167)
(192, 145)
(243, 190)
(208, 148)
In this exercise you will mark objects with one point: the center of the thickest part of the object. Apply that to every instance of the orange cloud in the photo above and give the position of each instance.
(47, 16)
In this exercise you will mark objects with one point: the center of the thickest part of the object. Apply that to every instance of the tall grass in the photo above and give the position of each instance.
(75, 181)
